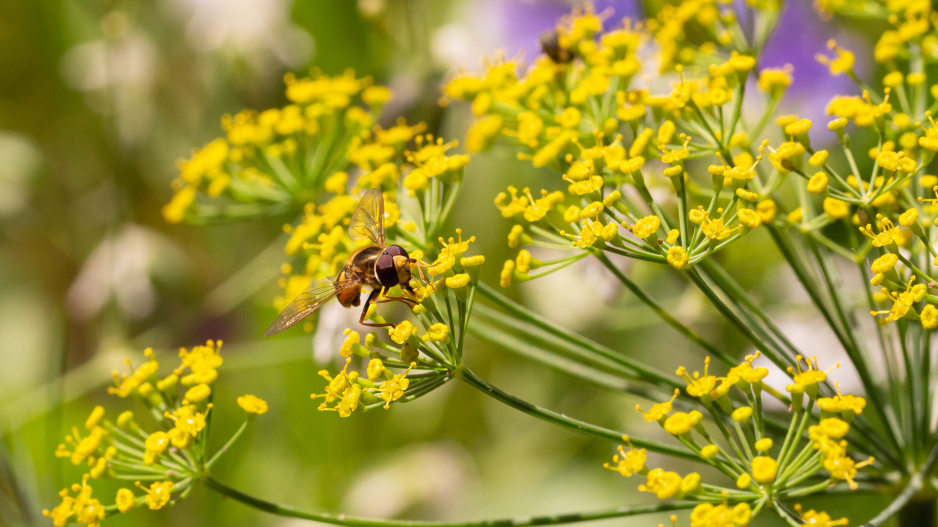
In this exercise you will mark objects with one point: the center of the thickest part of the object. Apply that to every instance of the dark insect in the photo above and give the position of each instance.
(550, 45)
(379, 266)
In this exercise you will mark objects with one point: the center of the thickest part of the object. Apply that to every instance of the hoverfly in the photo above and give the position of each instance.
(379, 266)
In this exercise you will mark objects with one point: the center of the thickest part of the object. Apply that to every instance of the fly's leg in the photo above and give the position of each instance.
(420, 266)
(409, 301)
(373, 299)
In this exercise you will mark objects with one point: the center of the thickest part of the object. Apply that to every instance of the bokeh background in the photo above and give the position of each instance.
(99, 98)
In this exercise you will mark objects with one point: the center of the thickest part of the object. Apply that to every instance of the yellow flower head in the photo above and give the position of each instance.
(884, 263)
(252, 404)
(158, 495)
(841, 63)
(646, 226)
(628, 463)
(887, 236)
(125, 500)
(722, 515)
(809, 378)
(842, 403)
(764, 469)
(663, 484)
(814, 518)
(699, 385)
(658, 411)
(681, 422)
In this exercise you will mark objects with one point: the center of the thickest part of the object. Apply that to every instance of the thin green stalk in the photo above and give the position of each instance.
(523, 313)
(554, 352)
(664, 315)
(566, 422)
(914, 485)
(355, 521)
(227, 445)
(846, 338)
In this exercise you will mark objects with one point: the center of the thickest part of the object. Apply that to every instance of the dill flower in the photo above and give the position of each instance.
(754, 465)
(174, 455)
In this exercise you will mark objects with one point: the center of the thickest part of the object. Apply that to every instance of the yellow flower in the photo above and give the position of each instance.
(884, 263)
(402, 332)
(657, 411)
(709, 452)
(681, 422)
(835, 208)
(808, 379)
(710, 515)
(817, 183)
(690, 483)
(764, 444)
(764, 469)
(742, 414)
(774, 80)
(908, 218)
(886, 237)
(767, 210)
(628, 463)
(697, 385)
(662, 483)
(125, 500)
(155, 444)
(437, 333)
(832, 427)
(749, 218)
(842, 467)
(198, 393)
(842, 403)
(158, 495)
(929, 317)
(457, 281)
(252, 404)
(814, 518)
(646, 226)
(677, 257)
(843, 61)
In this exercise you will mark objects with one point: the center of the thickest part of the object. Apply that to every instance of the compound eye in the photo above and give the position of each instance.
(384, 269)
(395, 250)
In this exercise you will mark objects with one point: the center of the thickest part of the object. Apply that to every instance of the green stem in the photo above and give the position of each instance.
(664, 315)
(227, 445)
(566, 422)
(354, 521)
(522, 313)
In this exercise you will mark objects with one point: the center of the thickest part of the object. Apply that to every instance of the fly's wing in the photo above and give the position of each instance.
(368, 219)
(306, 302)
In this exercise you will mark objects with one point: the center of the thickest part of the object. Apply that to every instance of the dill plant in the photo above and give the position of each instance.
(653, 156)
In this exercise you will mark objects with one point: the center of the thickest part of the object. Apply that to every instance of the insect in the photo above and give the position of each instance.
(379, 266)
(550, 45)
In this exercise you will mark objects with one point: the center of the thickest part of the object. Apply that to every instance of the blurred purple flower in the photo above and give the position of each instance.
(801, 36)
(525, 20)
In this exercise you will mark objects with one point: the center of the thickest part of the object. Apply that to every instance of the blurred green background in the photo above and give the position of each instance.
(98, 99)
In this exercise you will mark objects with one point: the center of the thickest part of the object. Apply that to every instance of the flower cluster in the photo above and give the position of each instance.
(614, 141)
(432, 346)
(275, 160)
(164, 464)
(812, 457)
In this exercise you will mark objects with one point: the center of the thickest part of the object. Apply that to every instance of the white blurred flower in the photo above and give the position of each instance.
(428, 476)
(21, 161)
(117, 77)
(120, 268)
(257, 30)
